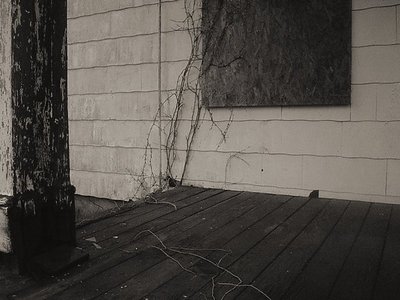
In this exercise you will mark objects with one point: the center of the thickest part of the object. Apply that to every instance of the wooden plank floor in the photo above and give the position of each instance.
(233, 245)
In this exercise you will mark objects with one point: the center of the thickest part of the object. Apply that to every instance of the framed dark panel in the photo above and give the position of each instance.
(276, 52)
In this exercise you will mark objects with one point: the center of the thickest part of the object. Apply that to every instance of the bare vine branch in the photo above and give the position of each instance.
(190, 252)
(188, 86)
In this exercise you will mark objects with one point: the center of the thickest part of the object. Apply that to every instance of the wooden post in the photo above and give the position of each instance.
(38, 200)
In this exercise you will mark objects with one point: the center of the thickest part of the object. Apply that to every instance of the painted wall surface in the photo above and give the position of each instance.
(350, 152)
(113, 95)
(5, 99)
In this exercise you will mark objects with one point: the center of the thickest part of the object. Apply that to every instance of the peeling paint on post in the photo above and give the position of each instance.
(6, 176)
(41, 211)
(5, 237)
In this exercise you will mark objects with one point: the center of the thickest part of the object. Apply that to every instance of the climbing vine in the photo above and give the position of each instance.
(186, 95)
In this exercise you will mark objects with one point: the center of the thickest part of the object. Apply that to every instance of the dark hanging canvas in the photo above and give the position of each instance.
(276, 52)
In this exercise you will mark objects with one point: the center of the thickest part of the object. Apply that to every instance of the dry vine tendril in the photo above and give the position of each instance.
(187, 92)
(191, 252)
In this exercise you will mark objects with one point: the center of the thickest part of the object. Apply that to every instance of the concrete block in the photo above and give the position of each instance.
(78, 8)
(113, 19)
(323, 113)
(212, 166)
(361, 4)
(336, 174)
(149, 77)
(242, 168)
(114, 24)
(247, 187)
(114, 133)
(130, 106)
(227, 167)
(371, 139)
(220, 114)
(174, 14)
(376, 64)
(177, 165)
(283, 171)
(274, 137)
(374, 26)
(131, 50)
(111, 186)
(176, 45)
(128, 161)
(136, 3)
(293, 192)
(171, 71)
(304, 137)
(81, 132)
(240, 137)
(363, 102)
(246, 113)
(204, 130)
(134, 21)
(113, 79)
(124, 133)
(244, 136)
(89, 28)
(169, 100)
(393, 178)
(388, 104)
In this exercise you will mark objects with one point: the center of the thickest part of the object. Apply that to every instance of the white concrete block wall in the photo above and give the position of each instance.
(376, 26)
(350, 152)
(113, 53)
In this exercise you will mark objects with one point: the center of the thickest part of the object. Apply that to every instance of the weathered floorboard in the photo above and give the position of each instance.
(317, 278)
(110, 254)
(288, 247)
(250, 228)
(118, 274)
(387, 284)
(357, 277)
(120, 218)
(275, 279)
(138, 286)
(268, 249)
